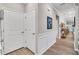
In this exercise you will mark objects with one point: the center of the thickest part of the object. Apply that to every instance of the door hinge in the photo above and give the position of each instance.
(3, 30)
(2, 40)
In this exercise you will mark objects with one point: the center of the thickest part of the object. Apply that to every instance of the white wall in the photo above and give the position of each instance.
(12, 6)
(42, 17)
(76, 29)
(41, 12)
(29, 7)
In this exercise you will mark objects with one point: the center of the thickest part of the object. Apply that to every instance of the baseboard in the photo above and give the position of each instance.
(45, 49)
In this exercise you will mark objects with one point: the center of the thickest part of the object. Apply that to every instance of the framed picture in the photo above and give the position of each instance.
(49, 22)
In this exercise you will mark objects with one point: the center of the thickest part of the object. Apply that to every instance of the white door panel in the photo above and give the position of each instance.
(29, 30)
(30, 40)
(13, 28)
(42, 44)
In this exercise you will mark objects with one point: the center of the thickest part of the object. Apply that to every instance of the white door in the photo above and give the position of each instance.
(29, 30)
(13, 31)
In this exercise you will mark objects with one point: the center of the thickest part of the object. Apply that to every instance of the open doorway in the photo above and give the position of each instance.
(57, 18)
(66, 25)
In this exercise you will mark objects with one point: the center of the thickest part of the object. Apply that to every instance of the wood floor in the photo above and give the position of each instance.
(61, 47)
(21, 51)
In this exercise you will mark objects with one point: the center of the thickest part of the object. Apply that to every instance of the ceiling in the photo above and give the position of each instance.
(63, 6)
(67, 10)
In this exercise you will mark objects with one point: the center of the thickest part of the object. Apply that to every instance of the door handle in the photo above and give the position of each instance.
(22, 32)
(33, 33)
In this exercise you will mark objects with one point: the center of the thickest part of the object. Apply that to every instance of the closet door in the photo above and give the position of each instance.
(12, 31)
(29, 31)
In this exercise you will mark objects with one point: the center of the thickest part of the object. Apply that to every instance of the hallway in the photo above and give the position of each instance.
(36, 27)
(62, 47)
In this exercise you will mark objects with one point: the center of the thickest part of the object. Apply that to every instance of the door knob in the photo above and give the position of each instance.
(22, 32)
(33, 33)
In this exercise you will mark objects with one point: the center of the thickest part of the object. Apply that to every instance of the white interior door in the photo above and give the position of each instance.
(13, 31)
(29, 30)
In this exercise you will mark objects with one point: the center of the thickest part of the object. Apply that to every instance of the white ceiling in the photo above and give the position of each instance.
(67, 10)
(64, 6)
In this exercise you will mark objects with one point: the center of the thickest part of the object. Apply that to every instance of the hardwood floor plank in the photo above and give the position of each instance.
(63, 47)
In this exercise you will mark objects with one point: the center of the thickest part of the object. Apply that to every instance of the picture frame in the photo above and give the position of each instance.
(49, 22)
